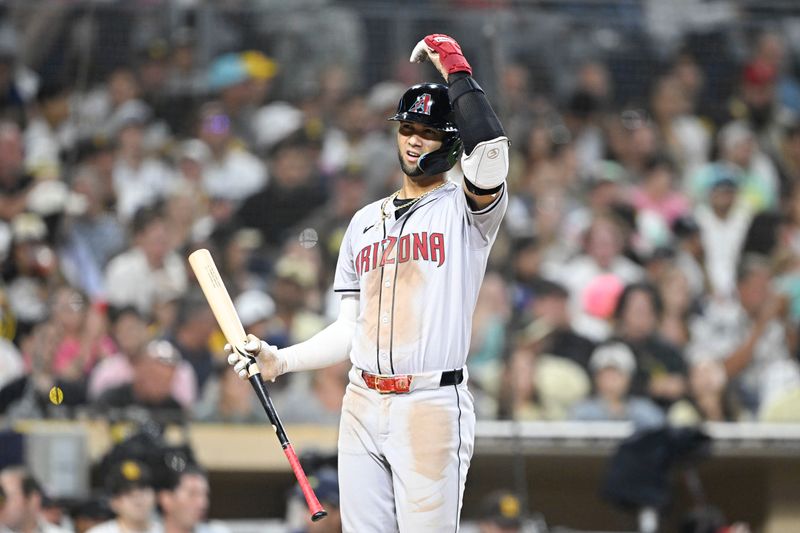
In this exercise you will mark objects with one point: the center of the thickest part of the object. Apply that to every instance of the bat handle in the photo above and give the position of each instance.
(314, 507)
(317, 512)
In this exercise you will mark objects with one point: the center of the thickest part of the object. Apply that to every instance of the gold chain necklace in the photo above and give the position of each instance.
(385, 215)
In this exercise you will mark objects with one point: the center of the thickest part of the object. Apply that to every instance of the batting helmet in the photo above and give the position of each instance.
(429, 104)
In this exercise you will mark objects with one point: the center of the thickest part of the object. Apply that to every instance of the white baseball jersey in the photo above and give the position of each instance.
(418, 277)
(403, 459)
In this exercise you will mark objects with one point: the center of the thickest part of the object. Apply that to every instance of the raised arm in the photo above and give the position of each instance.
(485, 159)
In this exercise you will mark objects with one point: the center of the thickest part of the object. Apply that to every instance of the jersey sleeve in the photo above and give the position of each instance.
(483, 225)
(346, 279)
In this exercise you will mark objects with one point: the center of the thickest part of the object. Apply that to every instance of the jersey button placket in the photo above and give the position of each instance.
(384, 319)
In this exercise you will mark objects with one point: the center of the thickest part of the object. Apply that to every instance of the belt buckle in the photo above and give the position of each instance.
(402, 384)
(379, 380)
(392, 384)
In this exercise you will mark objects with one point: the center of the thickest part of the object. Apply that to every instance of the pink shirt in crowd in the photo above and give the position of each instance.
(674, 206)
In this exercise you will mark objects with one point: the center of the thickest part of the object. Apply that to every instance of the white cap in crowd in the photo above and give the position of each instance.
(616, 354)
(254, 306)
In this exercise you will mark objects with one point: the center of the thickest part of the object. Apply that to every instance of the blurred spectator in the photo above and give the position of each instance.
(353, 143)
(231, 171)
(517, 108)
(129, 331)
(536, 385)
(788, 158)
(682, 135)
(15, 183)
(97, 229)
(152, 67)
(679, 305)
(182, 206)
(239, 258)
(191, 156)
(632, 139)
(550, 308)
(185, 77)
(747, 334)
(723, 223)
(97, 154)
(770, 48)
(583, 118)
(660, 369)
(133, 500)
(194, 325)
(89, 513)
(658, 203)
(255, 309)
(326, 486)
(22, 508)
(83, 332)
(613, 366)
(140, 180)
(757, 175)
(526, 261)
(316, 397)
(29, 397)
(150, 267)
(50, 133)
(11, 365)
(294, 280)
(100, 108)
(605, 187)
(294, 191)
(689, 254)
(711, 398)
(604, 243)
(756, 103)
(184, 503)
(229, 80)
(150, 390)
(330, 221)
(18, 83)
(227, 398)
(262, 71)
(54, 512)
(690, 77)
(488, 341)
(500, 512)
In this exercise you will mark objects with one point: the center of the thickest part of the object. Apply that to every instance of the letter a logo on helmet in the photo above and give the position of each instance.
(422, 105)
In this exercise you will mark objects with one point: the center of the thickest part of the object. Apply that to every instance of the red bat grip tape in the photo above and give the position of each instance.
(317, 512)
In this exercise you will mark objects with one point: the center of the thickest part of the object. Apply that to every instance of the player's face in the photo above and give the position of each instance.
(413, 140)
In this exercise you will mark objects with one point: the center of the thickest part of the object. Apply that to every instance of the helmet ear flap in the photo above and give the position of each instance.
(441, 160)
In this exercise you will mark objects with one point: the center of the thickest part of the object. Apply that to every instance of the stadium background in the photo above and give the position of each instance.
(598, 97)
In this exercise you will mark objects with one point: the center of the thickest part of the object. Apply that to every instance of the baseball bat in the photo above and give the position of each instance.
(221, 305)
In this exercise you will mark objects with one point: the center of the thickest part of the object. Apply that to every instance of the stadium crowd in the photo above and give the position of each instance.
(648, 268)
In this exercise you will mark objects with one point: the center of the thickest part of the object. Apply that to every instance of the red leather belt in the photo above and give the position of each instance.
(401, 384)
(387, 384)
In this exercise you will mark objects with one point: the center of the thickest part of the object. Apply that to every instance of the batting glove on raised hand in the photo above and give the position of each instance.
(269, 363)
(444, 52)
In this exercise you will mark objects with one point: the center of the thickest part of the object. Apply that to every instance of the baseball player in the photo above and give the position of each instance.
(409, 270)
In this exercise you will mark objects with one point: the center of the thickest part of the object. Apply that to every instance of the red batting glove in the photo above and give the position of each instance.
(450, 53)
